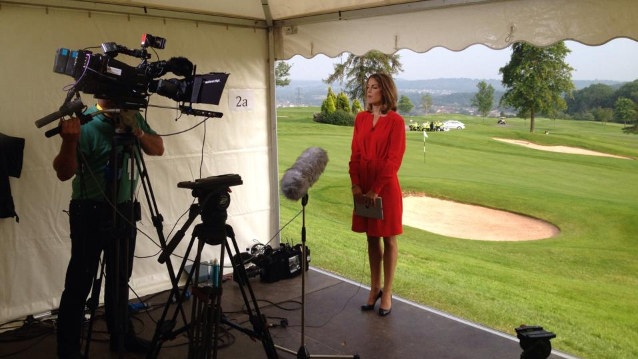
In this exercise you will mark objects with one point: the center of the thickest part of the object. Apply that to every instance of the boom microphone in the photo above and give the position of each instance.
(304, 173)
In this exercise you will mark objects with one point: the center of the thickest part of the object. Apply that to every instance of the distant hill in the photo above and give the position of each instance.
(455, 92)
(446, 85)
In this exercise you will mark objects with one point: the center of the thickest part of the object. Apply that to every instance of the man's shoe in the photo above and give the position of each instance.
(133, 344)
(74, 355)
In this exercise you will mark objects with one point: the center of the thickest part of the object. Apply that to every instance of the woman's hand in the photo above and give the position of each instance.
(357, 194)
(371, 199)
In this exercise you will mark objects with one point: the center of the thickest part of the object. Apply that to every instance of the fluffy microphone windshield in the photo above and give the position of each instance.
(304, 173)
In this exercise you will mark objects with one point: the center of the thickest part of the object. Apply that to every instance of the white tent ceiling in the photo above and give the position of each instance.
(231, 36)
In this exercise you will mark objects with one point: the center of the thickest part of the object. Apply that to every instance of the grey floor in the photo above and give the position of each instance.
(335, 325)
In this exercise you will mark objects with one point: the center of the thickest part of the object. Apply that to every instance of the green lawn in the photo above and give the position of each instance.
(582, 284)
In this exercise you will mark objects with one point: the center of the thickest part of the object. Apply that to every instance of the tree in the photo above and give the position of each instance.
(426, 102)
(483, 99)
(332, 95)
(535, 80)
(596, 95)
(628, 90)
(328, 106)
(603, 115)
(405, 105)
(342, 102)
(282, 71)
(356, 106)
(624, 110)
(356, 70)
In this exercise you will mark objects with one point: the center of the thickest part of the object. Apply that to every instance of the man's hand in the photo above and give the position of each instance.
(138, 132)
(70, 130)
(152, 145)
(65, 163)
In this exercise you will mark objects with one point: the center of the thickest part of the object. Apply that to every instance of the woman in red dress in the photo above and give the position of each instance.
(378, 145)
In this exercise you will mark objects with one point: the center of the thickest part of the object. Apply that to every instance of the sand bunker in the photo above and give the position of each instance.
(466, 221)
(560, 149)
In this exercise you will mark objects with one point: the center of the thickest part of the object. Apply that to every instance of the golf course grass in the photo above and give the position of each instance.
(581, 285)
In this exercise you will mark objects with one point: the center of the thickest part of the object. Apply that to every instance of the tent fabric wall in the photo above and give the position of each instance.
(495, 24)
(35, 252)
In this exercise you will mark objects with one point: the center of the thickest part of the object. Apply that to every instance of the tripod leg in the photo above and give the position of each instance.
(157, 218)
(166, 326)
(117, 267)
(217, 301)
(198, 306)
(258, 321)
(94, 301)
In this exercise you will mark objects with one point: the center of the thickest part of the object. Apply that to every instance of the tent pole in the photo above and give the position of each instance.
(274, 167)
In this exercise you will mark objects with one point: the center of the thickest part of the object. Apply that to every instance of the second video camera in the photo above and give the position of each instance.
(273, 265)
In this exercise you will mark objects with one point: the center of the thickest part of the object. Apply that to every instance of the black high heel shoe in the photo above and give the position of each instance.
(367, 307)
(385, 312)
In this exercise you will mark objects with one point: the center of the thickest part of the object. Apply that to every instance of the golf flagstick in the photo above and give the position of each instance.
(425, 135)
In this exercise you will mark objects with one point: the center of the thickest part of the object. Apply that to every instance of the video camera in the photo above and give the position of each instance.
(130, 87)
(273, 265)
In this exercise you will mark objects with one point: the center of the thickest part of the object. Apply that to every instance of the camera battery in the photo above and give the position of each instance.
(61, 60)
(70, 65)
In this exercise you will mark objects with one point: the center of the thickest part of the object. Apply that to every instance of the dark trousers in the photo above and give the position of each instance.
(91, 233)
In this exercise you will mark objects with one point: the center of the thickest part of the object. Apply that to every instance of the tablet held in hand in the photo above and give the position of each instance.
(375, 212)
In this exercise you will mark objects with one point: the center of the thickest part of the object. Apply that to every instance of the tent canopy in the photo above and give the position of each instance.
(331, 27)
(243, 38)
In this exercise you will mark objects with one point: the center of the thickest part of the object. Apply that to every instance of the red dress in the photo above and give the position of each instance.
(376, 156)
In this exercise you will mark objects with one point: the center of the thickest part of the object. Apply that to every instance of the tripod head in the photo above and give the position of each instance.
(213, 200)
(213, 195)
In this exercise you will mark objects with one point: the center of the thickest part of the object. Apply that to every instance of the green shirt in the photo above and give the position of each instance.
(95, 146)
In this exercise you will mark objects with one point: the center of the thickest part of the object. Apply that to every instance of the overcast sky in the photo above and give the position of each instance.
(616, 60)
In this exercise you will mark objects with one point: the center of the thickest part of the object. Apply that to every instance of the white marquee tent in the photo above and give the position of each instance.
(243, 38)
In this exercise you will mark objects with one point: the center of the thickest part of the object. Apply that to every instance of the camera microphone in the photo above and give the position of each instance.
(65, 110)
(304, 173)
(83, 120)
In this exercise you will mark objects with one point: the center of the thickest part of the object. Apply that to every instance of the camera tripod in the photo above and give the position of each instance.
(118, 240)
(206, 317)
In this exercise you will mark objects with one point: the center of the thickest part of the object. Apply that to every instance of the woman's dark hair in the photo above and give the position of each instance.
(388, 92)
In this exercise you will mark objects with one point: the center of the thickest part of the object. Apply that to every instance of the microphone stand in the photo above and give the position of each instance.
(303, 352)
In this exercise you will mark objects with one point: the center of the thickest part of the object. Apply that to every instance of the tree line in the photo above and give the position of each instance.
(600, 102)
(537, 81)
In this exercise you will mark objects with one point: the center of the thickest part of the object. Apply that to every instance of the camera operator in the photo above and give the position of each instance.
(90, 221)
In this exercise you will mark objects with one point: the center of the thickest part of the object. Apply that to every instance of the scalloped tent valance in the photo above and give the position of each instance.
(331, 27)
(495, 24)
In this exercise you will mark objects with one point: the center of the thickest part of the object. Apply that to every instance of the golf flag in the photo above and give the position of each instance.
(425, 135)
